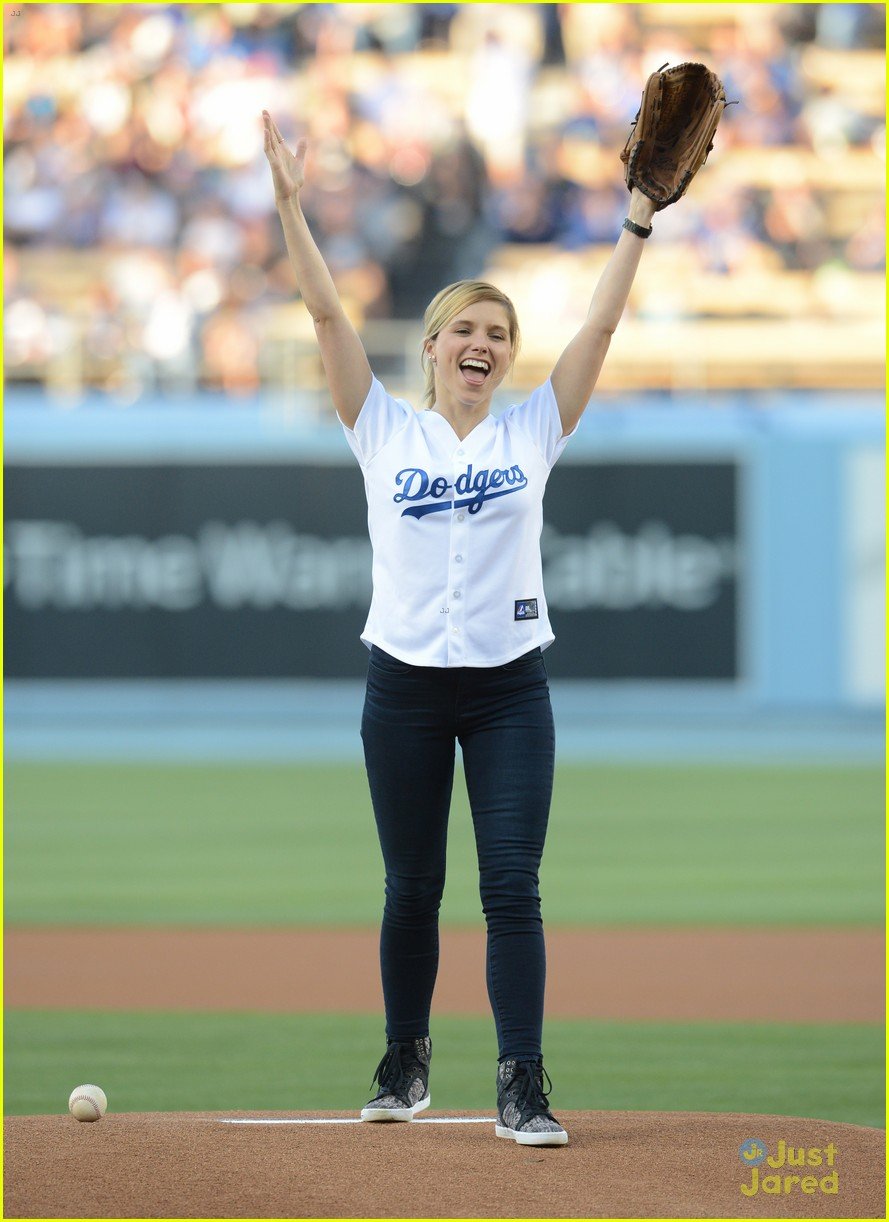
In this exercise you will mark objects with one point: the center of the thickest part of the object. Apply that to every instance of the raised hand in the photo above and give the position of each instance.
(288, 169)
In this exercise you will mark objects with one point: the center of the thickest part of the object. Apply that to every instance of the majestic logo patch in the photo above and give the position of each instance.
(472, 490)
(526, 608)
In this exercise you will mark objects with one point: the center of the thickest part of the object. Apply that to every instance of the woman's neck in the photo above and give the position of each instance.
(462, 419)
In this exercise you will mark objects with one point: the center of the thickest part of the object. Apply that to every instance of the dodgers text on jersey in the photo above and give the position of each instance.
(472, 490)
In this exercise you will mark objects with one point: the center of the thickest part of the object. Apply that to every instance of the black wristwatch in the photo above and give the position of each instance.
(639, 230)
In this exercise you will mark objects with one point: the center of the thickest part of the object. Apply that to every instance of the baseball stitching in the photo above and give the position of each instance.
(90, 1101)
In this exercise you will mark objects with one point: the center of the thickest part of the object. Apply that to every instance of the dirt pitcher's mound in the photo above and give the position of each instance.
(301, 1165)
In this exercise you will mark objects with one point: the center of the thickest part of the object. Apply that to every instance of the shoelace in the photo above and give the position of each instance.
(526, 1092)
(397, 1070)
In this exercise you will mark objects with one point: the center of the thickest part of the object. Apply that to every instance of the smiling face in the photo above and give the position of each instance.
(471, 354)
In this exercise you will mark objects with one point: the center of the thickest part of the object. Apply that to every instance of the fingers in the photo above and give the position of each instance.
(274, 141)
(270, 128)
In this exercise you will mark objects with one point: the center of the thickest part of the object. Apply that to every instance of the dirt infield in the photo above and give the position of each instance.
(669, 975)
(618, 1165)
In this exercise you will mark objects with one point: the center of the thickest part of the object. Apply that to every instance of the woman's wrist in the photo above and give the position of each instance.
(641, 209)
(288, 201)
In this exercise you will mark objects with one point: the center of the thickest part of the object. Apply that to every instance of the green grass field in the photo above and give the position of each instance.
(237, 1062)
(297, 845)
(262, 846)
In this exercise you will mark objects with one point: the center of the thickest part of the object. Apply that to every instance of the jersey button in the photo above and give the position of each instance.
(460, 517)
(461, 452)
(458, 593)
(459, 558)
(455, 631)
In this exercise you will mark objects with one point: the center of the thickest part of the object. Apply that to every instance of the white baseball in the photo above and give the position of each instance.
(87, 1103)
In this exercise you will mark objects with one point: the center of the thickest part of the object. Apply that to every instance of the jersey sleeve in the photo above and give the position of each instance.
(538, 418)
(380, 418)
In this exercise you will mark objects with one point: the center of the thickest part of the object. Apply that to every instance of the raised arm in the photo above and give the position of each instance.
(342, 352)
(577, 369)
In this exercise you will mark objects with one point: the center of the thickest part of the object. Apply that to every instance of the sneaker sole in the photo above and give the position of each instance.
(532, 1139)
(394, 1113)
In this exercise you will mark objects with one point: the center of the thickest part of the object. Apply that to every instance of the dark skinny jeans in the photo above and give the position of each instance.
(502, 718)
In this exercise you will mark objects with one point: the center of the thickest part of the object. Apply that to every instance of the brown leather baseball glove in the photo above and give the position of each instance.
(673, 131)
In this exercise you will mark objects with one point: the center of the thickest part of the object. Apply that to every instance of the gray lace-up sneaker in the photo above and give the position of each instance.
(403, 1078)
(523, 1113)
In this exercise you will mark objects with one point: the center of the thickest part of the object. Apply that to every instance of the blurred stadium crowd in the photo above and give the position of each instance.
(144, 253)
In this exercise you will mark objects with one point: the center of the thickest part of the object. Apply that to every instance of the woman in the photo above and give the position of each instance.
(456, 627)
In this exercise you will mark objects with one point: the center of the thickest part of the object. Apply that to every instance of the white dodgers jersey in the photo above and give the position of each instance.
(455, 528)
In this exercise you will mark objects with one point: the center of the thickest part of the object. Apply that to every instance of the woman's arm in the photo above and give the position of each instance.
(342, 352)
(577, 369)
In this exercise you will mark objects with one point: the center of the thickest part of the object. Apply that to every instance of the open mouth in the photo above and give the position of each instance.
(475, 370)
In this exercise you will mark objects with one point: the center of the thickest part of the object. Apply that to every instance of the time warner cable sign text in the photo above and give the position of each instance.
(129, 571)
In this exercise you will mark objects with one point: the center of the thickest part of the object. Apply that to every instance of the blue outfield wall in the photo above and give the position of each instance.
(810, 514)
(794, 453)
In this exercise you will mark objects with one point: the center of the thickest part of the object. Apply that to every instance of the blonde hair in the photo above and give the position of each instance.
(446, 305)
